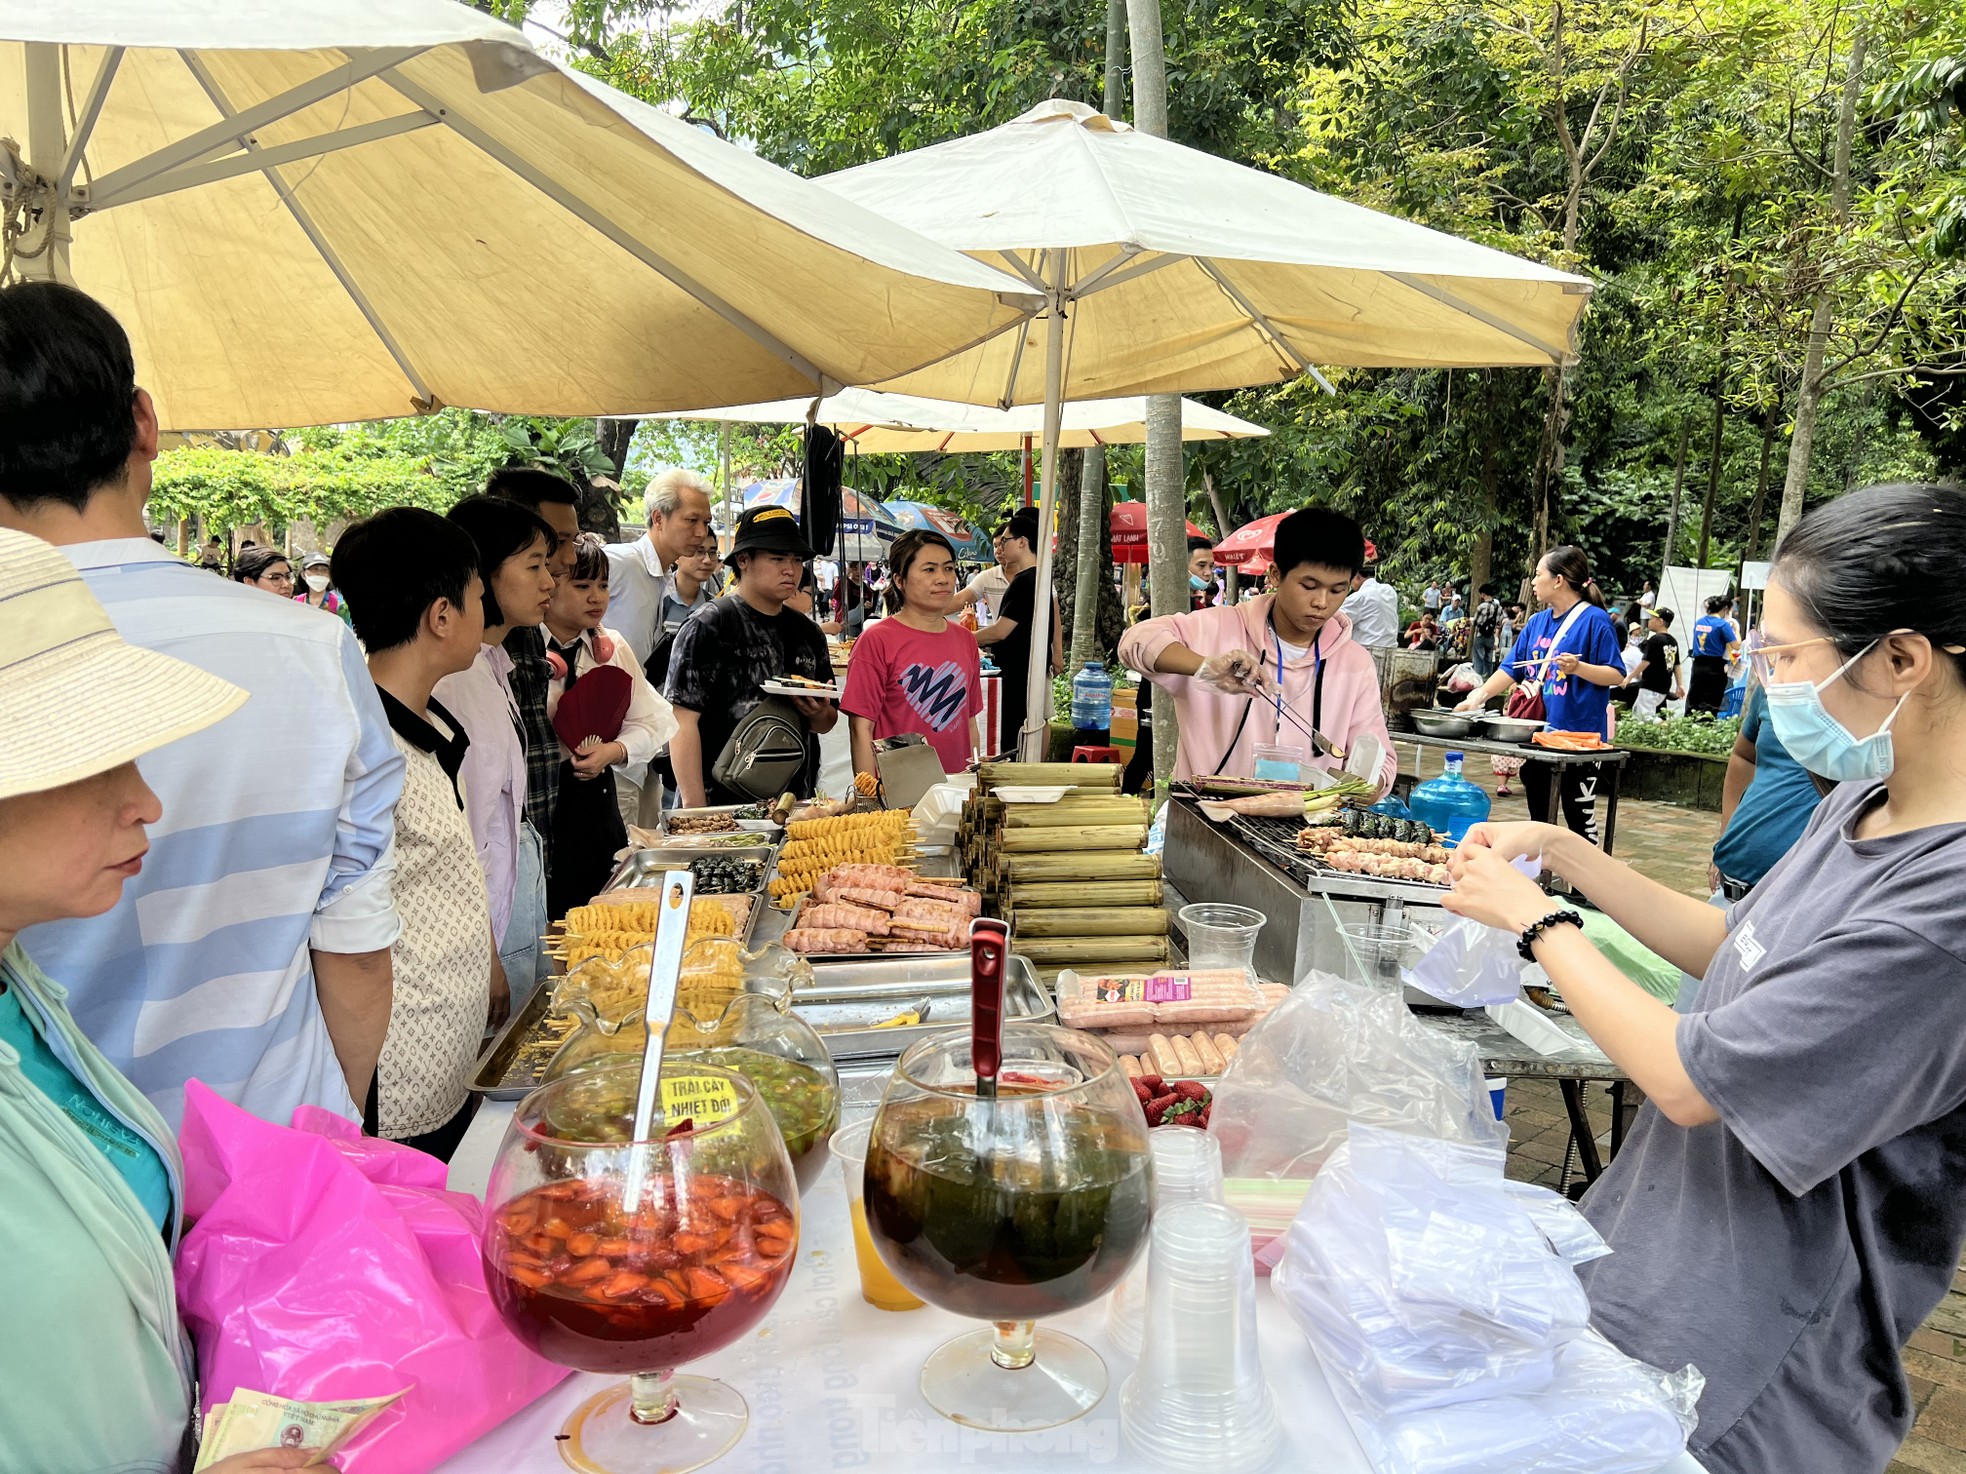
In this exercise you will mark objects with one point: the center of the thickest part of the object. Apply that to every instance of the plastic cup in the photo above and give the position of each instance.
(1220, 935)
(1279, 763)
(1187, 1169)
(878, 1286)
(1197, 1399)
(1498, 1093)
(1379, 954)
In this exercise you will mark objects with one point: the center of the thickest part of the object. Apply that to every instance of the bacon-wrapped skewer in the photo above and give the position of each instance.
(854, 918)
(826, 939)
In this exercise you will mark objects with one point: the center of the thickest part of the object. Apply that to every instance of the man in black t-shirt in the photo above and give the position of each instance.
(1008, 637)
(1657, 673)
(725, 651)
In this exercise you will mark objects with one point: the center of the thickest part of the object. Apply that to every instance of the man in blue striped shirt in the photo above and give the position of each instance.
(253, 951)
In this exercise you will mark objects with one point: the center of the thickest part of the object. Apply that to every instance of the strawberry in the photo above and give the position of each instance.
(1189, 1089)
(1142, 1091)
(1158, 1107)
(1202, 1119)
(1154, 1083)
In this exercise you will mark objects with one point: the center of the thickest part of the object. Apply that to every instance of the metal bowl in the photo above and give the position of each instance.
(1440, 722)
(1510, 729)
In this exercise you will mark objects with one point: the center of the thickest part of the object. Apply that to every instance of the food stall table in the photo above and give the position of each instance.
(831, 1381)
(1613, 759)
(1253, 862)
(1505, 1055)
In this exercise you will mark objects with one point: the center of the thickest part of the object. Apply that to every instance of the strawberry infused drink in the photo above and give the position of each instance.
(608, 1254)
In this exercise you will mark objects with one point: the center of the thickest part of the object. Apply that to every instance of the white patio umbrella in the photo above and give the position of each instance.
(1167, 270)
(319, 210)
(880, 423)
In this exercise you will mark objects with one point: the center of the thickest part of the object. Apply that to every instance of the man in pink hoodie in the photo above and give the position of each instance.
(1240, 673)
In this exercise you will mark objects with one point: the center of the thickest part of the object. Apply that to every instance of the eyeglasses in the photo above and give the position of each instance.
(285, 578)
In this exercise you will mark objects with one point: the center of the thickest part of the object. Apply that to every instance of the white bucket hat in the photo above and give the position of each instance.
(75, 698)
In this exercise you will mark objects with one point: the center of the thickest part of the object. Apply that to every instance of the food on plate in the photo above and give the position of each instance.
(880, 837)
(835, 914)
(804, 683)
(1173, 1102)
(722, 875)
(1570, 741)
(827, 939)
(701, 823)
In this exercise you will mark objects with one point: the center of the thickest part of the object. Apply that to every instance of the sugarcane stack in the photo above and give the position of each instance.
(1071, 879)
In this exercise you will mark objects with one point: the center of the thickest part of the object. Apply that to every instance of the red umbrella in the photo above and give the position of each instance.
(1129, 523)
(1248, 549)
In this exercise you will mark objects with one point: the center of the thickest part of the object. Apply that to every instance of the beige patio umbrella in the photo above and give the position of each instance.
(880, 423)
(322, 210)
(1167, 270)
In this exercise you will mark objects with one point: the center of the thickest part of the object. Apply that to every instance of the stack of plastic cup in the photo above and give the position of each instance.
(1197, 1399)
(1187, 1169)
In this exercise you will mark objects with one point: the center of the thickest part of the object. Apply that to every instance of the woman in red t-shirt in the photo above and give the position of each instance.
(915, 671)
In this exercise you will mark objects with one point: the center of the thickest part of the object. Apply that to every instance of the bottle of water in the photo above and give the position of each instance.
(1450, 803)
(1092, 703)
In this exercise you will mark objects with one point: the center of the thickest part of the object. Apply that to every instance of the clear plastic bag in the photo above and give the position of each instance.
(1442, 1304)
(1473, 964)
(1336, 1052)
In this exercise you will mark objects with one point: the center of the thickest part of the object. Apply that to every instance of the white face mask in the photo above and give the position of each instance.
(317, 582)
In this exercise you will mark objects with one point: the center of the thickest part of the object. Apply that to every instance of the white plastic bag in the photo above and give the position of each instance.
(1441, 1301)
(1332, 1053)
(1473, 964)
(1417, 1275)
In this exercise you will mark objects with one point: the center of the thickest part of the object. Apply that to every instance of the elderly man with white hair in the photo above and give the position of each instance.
(639, 572)
(641, 578)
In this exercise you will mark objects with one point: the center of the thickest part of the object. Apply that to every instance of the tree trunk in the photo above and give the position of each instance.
(1091, 521)
(1719, 396)
(1481, 558)
(1678, 482)
(597, 509)
(1115, 98)
(1809, 394)
(1167, 543)
(1769, 419)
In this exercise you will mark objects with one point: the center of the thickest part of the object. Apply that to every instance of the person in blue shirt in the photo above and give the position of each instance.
(1568, 645)
(1765, 804)
(1715, 642)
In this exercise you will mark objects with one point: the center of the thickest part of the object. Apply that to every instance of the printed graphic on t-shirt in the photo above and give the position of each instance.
(938, 694)
(1747, 947)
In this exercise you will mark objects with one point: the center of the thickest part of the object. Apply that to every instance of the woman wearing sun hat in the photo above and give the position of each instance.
(96, 1373)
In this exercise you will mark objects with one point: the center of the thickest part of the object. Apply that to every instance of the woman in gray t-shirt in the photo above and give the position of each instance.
(1792, 1202)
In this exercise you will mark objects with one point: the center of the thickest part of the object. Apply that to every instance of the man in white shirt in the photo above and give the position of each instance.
(638, 572)
(253, 952)
(1374, 609)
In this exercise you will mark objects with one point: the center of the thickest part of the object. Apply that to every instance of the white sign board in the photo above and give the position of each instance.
(1755, 575)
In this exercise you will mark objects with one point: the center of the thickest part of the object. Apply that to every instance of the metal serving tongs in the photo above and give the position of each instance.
(665, 970)
(1319, 742)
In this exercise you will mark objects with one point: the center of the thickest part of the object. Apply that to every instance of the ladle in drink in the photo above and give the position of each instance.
(989, 944)
(665, 968)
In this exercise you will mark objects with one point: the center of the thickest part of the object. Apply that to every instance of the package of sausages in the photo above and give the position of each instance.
(1138, 1002)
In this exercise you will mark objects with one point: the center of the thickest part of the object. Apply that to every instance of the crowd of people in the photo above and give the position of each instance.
(334, 868)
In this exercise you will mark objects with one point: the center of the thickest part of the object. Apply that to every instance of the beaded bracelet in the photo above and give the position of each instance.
(1535, 929)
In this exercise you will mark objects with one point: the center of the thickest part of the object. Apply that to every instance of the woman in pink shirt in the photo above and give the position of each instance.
(915, 671)
(1263, 670)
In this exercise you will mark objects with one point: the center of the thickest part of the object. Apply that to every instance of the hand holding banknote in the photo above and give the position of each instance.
(257, 1431)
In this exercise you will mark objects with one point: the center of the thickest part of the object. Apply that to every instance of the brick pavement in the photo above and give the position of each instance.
(1670, 844)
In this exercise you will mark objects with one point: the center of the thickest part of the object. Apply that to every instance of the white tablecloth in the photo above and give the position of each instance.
(831, 1381)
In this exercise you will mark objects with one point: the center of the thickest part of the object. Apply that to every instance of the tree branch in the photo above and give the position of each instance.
(1923, 370)
(1892, 317)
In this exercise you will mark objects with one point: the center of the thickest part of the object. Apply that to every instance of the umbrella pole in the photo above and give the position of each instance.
(1027, 461)
(1032, 741)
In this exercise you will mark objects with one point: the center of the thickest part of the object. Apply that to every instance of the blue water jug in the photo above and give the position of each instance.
(1450, 803)
(1092, 699)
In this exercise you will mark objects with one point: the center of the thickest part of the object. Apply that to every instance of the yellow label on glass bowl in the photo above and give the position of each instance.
(704, 1099)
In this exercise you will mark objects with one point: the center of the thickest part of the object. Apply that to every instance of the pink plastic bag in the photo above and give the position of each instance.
(324, 1265)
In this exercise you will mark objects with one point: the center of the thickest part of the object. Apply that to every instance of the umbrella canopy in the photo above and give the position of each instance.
(1167, 270)
(865, 526)
(321, 210)
(1129, 523)
(972, 544)
(879, 423)
(1250, 547)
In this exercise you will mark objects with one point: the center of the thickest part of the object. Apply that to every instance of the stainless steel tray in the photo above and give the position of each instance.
(628, 876)
(512, 1063)
(843, 1004)
(645, 868)
(781, 923)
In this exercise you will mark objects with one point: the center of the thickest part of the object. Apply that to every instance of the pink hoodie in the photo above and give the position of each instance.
(1208, 717)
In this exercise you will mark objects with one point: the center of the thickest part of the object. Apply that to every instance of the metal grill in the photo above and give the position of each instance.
(1275, 839)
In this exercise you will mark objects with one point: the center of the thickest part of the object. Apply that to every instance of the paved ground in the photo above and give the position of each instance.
(1670, 844)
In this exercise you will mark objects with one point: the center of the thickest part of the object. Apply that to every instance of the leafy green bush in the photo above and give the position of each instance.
(1700, 733)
